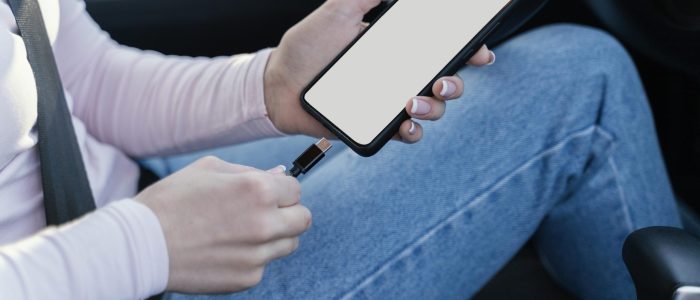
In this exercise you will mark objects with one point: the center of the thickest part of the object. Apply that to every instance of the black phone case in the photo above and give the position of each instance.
(390, 130)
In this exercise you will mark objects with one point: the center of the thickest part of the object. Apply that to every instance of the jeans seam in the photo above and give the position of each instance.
(621, 194)
(499, 183)
(546, 264)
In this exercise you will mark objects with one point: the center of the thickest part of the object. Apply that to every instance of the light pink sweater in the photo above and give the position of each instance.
(124, 101)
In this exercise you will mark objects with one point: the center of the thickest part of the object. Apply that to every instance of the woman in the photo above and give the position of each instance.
(555, 141)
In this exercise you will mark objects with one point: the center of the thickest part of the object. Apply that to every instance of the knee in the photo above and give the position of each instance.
(567, 49)
(566, 75)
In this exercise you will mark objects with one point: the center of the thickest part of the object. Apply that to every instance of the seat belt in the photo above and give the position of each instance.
(67, 193)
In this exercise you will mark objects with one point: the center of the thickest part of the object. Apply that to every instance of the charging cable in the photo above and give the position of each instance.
(310, 158)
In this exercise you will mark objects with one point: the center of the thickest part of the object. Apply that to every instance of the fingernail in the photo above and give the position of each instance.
(448, 88)
(493, 58)
(278, 169)
(412, 130)
(420, 107)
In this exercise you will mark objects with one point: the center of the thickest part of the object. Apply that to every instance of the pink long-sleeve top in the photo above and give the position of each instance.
(124, 101)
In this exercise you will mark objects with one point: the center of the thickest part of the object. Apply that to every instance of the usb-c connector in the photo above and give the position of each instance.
(310, 157)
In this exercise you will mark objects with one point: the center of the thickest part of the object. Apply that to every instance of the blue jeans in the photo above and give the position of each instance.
(554, 143)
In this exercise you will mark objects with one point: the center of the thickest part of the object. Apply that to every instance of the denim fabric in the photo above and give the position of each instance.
(554, 142)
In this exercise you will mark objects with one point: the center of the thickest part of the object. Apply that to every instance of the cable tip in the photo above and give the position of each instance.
(310, 157)
(324, 145)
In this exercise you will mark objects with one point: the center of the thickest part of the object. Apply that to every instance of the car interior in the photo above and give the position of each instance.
(663, 37)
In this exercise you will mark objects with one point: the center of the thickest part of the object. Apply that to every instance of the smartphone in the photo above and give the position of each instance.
(361, 96)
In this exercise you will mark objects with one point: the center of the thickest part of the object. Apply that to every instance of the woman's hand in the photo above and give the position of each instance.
(223, 223)
(312, 44)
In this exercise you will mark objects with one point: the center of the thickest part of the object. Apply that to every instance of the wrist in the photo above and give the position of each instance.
(277, 97)
(282, 88)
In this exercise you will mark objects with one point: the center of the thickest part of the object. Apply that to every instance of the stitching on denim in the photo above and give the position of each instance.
(543, 258)
(625, 208)
(621, 194)
(478, 200)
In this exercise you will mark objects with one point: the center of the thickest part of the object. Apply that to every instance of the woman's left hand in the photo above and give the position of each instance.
(313, 43)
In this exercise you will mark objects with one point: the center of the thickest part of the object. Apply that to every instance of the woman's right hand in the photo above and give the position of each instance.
(223, 223)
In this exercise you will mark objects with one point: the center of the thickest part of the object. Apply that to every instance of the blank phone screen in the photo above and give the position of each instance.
(395, 60)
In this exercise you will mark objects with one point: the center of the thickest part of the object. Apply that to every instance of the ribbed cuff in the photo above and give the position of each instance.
(260, 124)
(148, 244)
(116, 252)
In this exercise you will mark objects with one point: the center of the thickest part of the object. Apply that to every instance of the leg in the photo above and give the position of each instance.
(555, 140)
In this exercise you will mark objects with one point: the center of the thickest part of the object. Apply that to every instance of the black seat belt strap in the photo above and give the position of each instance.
(67, 193)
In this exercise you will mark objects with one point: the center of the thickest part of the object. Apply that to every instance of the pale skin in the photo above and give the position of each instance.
(223, 222)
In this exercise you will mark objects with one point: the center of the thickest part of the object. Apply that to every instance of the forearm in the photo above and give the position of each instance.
(147, 103)
(116, 252)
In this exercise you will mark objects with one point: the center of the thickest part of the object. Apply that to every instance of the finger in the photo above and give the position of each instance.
(278, 170)
(363, 26)
(483, 57)
(292, 221)
(277, 190)
(281, 248)
(425, 108)
(448, 88)
(287, 190)
(410, 132)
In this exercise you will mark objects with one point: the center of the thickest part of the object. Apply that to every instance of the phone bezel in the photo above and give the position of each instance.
(459, 60)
